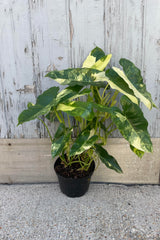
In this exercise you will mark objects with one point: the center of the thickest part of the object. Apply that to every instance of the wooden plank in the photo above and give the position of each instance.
(16, 79)
(34, 34)
(49, 27)
(123, 30)
(151, 61)
(25, 160)
(86, 28)
(41, 35)
(29, 161)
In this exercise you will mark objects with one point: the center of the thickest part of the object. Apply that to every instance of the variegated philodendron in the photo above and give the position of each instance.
(90, 100)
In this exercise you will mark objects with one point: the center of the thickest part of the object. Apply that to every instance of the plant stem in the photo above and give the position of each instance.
(109, 126)
(104, 90)
(112, 130)
(62, 117)
(98, 94)
(105, 99)
(70, 163)
(46, 128)
(69, 122)
(57, 115)
(80, 161)
(63, 160)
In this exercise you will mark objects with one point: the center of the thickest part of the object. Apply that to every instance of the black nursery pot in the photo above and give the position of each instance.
(74, 187)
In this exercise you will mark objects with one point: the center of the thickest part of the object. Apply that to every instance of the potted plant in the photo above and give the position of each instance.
(88, 112)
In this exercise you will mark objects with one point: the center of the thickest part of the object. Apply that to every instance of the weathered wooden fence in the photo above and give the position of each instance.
(37, 36)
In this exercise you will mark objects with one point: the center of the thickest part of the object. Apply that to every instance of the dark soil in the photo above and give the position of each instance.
(72, 171)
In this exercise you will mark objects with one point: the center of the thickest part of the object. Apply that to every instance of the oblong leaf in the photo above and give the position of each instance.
(132, 76)
(78, 109)
(97, 53)
(107, 159)
(70, 93)
(58, 144)
(132, 125)
(83, 143)
(43, 105)
(76, 76)
(66, 95)
(118, 83)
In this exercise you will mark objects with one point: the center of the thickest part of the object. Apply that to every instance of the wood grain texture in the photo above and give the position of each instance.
(29, 161)
(37, 36)
(86, 28)
(151, 61)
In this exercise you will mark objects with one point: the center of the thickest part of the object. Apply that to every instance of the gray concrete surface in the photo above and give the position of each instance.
(112, 212)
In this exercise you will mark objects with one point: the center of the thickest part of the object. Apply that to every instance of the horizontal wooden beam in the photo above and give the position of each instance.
(29, 161)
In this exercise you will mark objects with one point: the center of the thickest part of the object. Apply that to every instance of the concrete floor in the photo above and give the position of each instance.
(42, 212)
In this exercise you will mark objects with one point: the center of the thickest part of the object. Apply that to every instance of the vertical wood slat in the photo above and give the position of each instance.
(50, 43)
(124, 30)
(87, 28)
(15, 68)
(40, 35)
(151, 61)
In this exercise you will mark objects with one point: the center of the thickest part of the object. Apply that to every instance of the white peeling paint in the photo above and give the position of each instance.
(37, 36)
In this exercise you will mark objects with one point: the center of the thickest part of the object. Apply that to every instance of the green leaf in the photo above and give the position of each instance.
(107, 159)
(102, 108)
(138, 152)
(78, 109)
(97, 53)
(60, 131)
(118, 83)
(30, 104)
(103, 127)
(76, 76)
(70, 93)
(130, 122)
(83, 143)
(132, 125)
(66, 95)
(132, 76)
(92, 124)
(43, 105)
(84, 92)
(58, 144)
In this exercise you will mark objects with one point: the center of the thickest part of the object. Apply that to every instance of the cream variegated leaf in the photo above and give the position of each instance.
(102, 63)
(132, 76)
(97, 60)
(116, 83)
(132, 125)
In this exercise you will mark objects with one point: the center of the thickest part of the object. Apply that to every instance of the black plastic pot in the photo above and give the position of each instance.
(74, 187)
